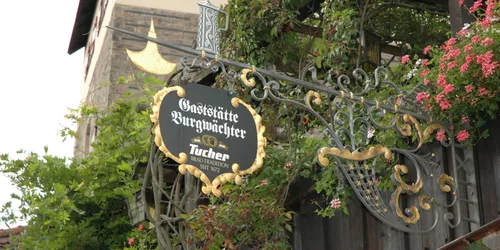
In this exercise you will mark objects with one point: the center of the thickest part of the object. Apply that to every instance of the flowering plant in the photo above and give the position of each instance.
(461, 80)
(142, 237)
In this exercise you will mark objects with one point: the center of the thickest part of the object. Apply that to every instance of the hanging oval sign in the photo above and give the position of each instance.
(212, 134)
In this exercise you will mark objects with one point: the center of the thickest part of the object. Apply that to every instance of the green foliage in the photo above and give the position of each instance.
(408, 22)
(142, 238)
(245, 215)
(461, 77)
(337, 48)
(80, 203)
(255, 35)
(251, 214)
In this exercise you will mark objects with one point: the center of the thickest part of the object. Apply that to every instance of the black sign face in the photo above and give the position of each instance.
(214, 129)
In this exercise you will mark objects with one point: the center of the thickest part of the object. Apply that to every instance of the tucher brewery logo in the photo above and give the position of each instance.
(209, 132)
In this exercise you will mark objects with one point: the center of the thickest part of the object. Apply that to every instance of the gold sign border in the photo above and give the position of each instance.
(210, 186)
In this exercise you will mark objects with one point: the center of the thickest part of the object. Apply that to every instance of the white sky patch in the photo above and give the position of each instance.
(39, 81)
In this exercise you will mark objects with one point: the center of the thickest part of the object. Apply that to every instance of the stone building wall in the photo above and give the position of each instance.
(113, 63)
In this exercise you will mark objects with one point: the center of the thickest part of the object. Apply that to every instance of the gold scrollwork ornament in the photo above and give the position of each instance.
(413, 209)
(369, 153)
(407, 188)
(423, 135)
(446, 183)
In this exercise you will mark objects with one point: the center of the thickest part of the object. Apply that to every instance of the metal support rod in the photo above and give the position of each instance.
(470, 220)
(468, 201)
(269, 73)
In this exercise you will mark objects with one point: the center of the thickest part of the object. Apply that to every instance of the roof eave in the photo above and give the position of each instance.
(83, 22)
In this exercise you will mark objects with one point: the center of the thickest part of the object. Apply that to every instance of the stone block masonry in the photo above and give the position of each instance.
(113, 63)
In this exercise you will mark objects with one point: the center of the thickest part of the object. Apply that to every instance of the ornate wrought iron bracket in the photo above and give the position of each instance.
(350, 120)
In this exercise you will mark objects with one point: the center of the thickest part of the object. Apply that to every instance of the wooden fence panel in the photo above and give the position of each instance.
(380, 235)
(309, 231)
(487, 155)
(347, 231)
(312, 233)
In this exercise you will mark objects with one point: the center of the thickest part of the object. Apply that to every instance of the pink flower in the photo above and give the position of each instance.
(370, 133)
(399, 101)
(442, 66)
(469, 88)
(467, 47)
(141, 228)
(376, 181)
(444, 104)
(460, 2)
(464, 67)
(439, 97)
(131, 241)
(462, 135)
(288, 165)
(476, 5)
(263, 182)
(485, 22)
(453, 53)
(425, 62)
(476, 39)
(335, 203)
(422, 96)
(462, 32)
(405, 59)
(465, 119)
(441, 81)
(451, 41)
(485, 58)
(483, 91)
(424, 72)
(427, 49)
(488, 68)
(452, 65)
(489, 8)
(440, 136)
(487, 41)
(470, 58)
(426, 81)
(448, 88)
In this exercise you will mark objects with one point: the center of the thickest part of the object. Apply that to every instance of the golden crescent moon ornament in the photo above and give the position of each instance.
(150, 59)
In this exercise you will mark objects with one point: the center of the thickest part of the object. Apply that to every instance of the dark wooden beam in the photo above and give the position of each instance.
(468, 239)
(309, 30)
(391, 49)
(459, 15)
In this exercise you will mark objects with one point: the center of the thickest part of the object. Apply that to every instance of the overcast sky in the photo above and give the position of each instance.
(39, 81)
